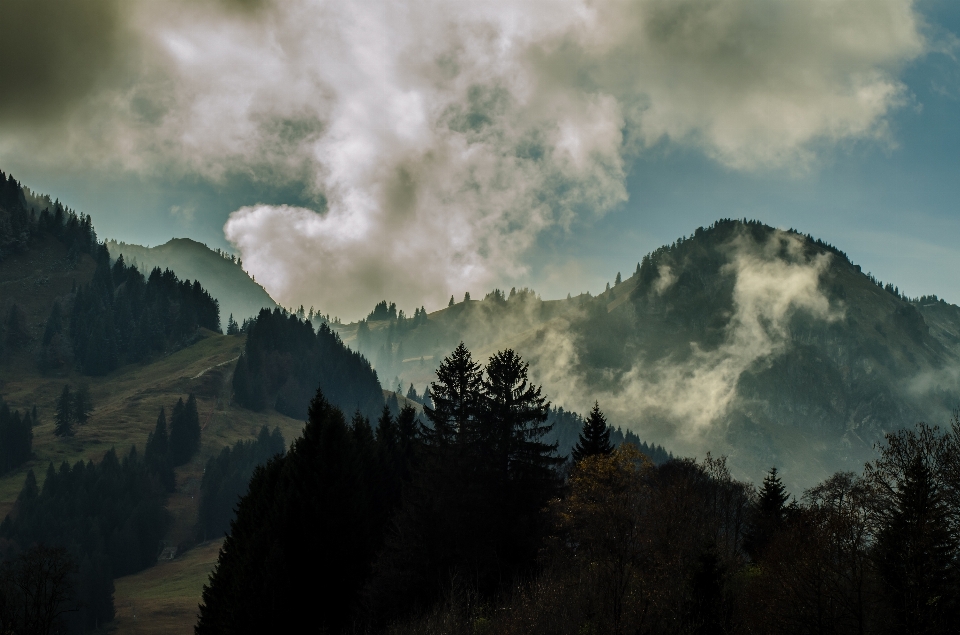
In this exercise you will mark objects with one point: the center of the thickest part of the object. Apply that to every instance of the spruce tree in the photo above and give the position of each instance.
(456, 397)
(917, 555)
(768, 514)
(157, 452)
(184, 431)
(65, 413)
(595, 436)
(82, 405)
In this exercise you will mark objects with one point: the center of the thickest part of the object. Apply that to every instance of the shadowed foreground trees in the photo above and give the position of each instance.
(465, 492)
(460, 523)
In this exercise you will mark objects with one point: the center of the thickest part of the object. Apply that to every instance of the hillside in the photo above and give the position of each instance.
(50, 262)
(225, 279)
(765, 345)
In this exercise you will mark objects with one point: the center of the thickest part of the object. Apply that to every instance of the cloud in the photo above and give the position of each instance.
(440, 138)
(54, 54)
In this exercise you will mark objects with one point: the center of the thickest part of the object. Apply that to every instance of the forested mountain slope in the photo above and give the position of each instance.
(222, 275)
(766, 345)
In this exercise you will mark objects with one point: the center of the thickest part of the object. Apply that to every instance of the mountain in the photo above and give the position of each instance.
(765, 345)
(224, 278)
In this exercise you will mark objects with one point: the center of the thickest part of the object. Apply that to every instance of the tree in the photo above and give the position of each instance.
(917, 554)
(466, 296)
(606, 515)
(65, 414)
(82, 405)
(618, 280)
(595, 436)
(37, 591)
(232, 327)
(455, 396)
(450, 303)
(768, 513)
(305, 514)
(184, 431)
(157, 452)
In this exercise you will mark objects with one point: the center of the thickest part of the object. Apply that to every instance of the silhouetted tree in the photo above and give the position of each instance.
(595, 436)
(65, 414)
(184, 431)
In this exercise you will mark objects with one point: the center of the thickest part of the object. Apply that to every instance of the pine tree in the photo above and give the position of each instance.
(595, 436)
(455, 395)
(450, 303)
(768, 514)
(618, 279)
(232, 327)
(65, 414)
(917, 555)
(82, 405)
(184, 431)
(157, 452)
(412, 394)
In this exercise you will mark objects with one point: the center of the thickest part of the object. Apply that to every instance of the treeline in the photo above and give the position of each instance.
(463, 524)
(392, 515)
(566, 426)
(170, 447)
(684, 548)
(226, 478)
(16, 437)
(108, 516)
(284, 361)
(24, 216)
(122, 317)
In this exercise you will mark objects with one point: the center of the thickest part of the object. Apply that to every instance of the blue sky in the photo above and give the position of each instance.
(885, 191)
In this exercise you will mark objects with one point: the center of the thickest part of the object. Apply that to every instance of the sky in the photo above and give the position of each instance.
(351, 152)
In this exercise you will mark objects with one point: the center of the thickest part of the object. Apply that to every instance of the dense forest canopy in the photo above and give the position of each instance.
(285, 360)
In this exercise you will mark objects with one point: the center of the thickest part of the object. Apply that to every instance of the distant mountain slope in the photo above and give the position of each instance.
(765, 345)
(237, 293)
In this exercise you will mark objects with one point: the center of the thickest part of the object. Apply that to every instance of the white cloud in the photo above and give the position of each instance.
(445, 136)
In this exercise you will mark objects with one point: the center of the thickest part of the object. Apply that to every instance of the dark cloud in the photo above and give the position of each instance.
(54, 53)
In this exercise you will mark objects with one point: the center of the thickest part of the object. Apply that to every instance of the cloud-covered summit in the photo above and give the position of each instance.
(439, 139)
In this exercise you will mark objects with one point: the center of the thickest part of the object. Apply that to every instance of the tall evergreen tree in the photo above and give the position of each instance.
(305, 515)
(456, 397)
(595, 436)
(917, 556)
(768, 515)
(184, 431)
(82, 405)
(65, 414)
(157, 452)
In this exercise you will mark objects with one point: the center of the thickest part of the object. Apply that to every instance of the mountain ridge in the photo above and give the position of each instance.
(239, 294)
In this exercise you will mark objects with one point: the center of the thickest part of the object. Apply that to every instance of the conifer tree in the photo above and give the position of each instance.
(595, 436)
(450, 303)
(82, 405)
(412, 394)
(157, 452)
(65, 413)
(917, 555)
(455, 395)
(768, 513)
(618, 279)
(184, 431)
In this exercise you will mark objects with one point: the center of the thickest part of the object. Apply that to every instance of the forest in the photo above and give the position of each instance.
(464, 517)
(284, 361)
(468, 522)
(68, 538)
